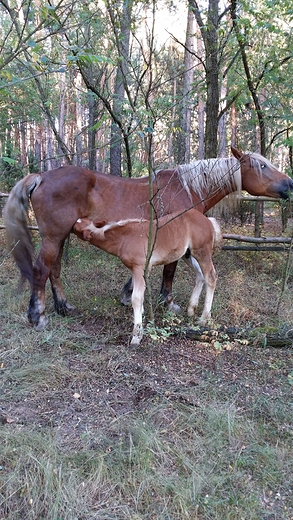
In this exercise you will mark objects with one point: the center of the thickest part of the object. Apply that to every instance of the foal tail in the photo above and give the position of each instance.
(19, 239)
(218, 237)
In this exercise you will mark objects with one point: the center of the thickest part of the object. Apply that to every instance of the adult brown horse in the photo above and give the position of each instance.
(59, 197)
(172, 235)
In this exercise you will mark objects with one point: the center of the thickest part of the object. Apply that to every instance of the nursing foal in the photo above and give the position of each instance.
(171, 237)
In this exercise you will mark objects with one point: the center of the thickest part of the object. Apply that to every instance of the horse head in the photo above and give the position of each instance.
(261, 177)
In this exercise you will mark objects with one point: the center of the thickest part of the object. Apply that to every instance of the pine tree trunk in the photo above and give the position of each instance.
(212, 79)
(209, 33)
(119, 90)
(185, 115)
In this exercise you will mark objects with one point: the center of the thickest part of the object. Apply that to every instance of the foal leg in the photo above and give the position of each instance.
(60, 303)
(199, 282)
(165, 293)
(210, 277)
(166, 288)
(137, 305)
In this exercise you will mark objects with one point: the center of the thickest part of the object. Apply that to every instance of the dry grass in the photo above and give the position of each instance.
(91, 429)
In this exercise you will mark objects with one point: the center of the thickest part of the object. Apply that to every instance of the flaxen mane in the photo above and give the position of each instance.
(257, 160)
(210, 175)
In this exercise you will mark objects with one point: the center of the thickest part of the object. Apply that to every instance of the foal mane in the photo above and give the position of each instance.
(208, 176)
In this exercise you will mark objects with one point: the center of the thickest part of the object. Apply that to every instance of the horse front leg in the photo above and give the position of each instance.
(137, 305)
(166, 288)
(62, 306)
(127, 292)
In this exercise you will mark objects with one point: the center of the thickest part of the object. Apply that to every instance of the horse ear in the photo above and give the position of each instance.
(236, 153)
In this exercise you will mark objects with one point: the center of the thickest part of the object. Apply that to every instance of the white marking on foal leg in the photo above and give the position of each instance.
(199, 281)
(137, 305)
(136, 335)
(210, 281)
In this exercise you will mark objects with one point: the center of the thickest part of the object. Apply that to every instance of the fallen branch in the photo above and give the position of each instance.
(259, 240)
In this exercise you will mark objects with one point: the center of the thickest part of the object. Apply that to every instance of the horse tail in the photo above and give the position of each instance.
(218, 237)
(19, 240)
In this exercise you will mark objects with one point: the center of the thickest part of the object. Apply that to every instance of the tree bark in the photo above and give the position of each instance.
(123, 49)
(185, 115)
(242, 45)
(209, 33)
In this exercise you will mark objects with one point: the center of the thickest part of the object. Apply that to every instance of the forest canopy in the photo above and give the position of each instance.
(125, 87)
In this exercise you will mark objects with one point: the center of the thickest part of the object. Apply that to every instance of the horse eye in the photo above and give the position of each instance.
(263, 166)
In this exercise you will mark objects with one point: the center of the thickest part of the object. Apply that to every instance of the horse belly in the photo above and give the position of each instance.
(168, 253)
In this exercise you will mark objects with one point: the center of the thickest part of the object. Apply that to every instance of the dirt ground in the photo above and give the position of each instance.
(80, 379)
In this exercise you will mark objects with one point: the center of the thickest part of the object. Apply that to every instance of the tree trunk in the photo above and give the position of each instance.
(242, 45)
(201, 103)
(119, 90)
(233, 125)
(92, 104)
(209, 33)
(222, 124)
(171, 134)
(212, 78)
(61, 119)
(185, 115)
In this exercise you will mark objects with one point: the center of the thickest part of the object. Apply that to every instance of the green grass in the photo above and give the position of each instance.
(91, 429)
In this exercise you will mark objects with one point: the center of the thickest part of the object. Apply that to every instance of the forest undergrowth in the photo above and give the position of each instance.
(178, 428)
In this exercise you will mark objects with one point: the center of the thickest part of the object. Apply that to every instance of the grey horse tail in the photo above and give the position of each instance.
(19, 240)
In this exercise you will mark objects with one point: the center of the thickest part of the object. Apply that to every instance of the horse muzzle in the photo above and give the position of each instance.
(285, 189)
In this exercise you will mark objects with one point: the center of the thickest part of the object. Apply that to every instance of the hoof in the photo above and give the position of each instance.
(70, 308)
(63, 308)
(125, 300)
(173, 307)
(42, 323)
(137, 336)
(190, 311)
(204, 320)
(135, 342)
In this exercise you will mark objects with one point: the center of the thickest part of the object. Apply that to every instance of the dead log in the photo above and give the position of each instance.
(258, 240)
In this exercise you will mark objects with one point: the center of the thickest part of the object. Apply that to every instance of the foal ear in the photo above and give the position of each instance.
(236, 153)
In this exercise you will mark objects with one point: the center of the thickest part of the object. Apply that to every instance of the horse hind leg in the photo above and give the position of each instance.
(41, 271)
(61, 305)
(36, 310)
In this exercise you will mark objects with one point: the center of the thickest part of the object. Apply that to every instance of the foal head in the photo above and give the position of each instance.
(84, 227)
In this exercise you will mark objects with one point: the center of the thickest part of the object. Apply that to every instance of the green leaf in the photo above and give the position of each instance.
(8, 160)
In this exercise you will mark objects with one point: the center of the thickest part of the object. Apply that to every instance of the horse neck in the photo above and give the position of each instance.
(209, 201)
